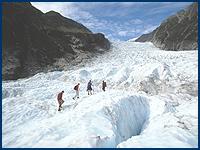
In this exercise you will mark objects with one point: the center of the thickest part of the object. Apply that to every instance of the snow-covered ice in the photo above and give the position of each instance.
(151, 101)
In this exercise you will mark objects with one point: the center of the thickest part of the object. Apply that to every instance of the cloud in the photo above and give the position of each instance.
(136, 21)
(117, 20)
(56, 6)
(163, 7)
(122, 33)
(67, 9)
(172, 5)
(71, 10)
(149, 29)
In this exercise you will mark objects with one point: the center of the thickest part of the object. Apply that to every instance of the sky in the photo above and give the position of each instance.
(118, 21)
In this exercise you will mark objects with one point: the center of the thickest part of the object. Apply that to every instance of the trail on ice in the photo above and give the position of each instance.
(150, 101)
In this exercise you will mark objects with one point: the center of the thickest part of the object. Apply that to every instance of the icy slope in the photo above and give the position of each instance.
(151, 101)
(36, 122)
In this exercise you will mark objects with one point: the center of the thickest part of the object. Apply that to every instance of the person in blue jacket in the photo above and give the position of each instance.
(89, 87)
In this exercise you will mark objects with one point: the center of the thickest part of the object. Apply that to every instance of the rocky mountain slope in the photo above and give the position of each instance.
(178, 32)
(33, 41)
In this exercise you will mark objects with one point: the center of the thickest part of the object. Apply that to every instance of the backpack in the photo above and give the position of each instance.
(104, 84)
(76, 87)
(59, 96)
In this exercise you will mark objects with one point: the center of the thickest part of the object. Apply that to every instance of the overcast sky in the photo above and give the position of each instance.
(117, 20)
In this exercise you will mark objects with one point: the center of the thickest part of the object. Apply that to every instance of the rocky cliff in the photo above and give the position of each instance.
(178, 32)
(33, 41)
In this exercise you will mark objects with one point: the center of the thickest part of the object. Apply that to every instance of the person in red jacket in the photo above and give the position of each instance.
(76, 88)
(60, 100)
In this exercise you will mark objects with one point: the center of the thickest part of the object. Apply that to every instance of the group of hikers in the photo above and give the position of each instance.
(77, 89)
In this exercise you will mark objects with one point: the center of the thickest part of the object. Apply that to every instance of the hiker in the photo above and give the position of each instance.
(76, 88)
(60, 100)
(104, 86)
(89, 87)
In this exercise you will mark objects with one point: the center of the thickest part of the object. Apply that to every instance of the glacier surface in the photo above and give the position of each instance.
(151, 101)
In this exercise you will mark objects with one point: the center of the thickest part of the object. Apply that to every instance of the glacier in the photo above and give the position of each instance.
(151, 101)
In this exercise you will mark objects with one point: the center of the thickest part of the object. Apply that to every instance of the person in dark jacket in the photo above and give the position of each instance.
(89, 87)
(60, 100)
(76, 88)
(104, 86)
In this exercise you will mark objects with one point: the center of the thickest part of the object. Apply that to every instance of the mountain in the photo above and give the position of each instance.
(33, 41)
(145, 37)
(178, 32)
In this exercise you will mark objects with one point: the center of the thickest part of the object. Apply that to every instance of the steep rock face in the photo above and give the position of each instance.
(33, 41)
(145, 37)
(178, 32)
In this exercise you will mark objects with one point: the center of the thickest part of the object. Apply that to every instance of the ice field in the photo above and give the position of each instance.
(151, 100)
